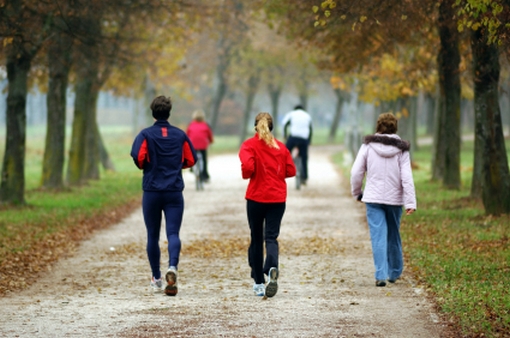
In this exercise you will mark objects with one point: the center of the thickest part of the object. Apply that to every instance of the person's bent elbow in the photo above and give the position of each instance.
(246, 175)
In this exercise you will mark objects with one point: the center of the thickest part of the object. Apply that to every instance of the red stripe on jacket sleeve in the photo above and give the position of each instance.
(188, 160)
(143, 154)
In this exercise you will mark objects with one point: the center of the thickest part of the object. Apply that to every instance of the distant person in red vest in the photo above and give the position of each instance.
(201, 137)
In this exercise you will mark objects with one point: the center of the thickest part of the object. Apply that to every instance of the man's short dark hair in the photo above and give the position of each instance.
(299, 107)
(161, 107)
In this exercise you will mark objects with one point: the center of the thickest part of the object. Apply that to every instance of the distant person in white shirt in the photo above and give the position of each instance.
(297, 129)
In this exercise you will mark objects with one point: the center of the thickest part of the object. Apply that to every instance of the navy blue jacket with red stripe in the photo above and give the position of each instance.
(162, 151)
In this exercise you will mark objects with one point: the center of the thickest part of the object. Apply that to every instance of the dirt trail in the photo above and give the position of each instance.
(326, 284)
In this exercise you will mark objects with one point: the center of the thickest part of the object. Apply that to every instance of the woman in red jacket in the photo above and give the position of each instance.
(201, 137)
(266, 162)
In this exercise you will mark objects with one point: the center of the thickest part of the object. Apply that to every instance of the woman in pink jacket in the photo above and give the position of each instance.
(266, 162)
(384, 161)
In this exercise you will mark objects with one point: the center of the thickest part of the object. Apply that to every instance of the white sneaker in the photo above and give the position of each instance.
(272, 285)
(157, 284)
(259, 289)
(171, 280)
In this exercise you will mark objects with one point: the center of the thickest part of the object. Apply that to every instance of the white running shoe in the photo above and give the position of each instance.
(259, 289)
(171, 280)
(157, 284)
(272, 285)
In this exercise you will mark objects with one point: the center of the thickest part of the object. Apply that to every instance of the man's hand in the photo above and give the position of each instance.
(410, 211)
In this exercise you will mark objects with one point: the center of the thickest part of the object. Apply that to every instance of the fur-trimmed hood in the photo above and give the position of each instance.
(386, 145)
(384, 161)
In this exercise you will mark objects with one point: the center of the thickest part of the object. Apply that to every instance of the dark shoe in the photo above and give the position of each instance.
(380, 283)
(272, 285)
(393, 280)
(171, 279)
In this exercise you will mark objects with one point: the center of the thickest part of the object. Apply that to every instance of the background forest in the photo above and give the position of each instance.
(441, 66)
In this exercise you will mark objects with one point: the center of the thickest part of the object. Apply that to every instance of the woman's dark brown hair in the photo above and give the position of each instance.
(387, 123)
(161, 107)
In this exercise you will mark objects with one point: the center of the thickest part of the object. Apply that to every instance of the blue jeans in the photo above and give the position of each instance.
(384, 223)
(154, 204)
(264, 220)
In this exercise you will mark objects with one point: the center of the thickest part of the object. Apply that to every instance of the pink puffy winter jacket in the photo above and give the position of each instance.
(384, 158)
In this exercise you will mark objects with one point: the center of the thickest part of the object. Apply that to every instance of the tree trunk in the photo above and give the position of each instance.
(92, 156)
(438, 145)
(407, 123)
(447, 144)
(12, 187)
(303, 92)
(253, 83)
(149, 93)
(413, 123)
(505, 104)
(103, 152)
(59, 63)
(83, 142)
(340, 97)
(225, 47)
(431, 107)
(77, 150)
(467, 115)
(489, 139)
(476, 179)
(274, 95)
(221, 90)
(139, 108)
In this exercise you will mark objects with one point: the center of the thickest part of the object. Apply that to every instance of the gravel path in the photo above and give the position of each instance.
(326, 284)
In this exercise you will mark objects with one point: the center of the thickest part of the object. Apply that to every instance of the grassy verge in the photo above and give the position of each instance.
(459, 253)
(34, 236)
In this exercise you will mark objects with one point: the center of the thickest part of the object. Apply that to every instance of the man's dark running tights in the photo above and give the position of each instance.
(302, 145)
(154, 204)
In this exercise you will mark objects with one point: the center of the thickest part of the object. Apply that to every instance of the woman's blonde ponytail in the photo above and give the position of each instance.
(263, 127)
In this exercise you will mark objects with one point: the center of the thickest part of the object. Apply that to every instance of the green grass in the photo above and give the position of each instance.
(459, 253)
(48, 212)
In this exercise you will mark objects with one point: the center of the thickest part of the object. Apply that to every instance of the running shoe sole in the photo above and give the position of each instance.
(272, 285)
(171, 279)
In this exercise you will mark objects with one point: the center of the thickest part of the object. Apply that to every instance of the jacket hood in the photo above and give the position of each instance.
(386, 145)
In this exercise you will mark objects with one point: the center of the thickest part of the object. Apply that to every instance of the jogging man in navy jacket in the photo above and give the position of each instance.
(162, 151)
